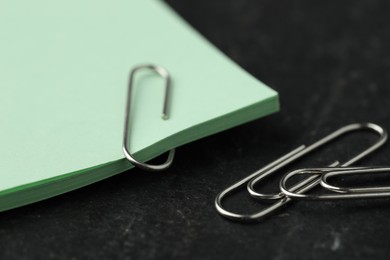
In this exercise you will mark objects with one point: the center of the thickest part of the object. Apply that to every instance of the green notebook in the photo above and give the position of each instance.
(64, 67)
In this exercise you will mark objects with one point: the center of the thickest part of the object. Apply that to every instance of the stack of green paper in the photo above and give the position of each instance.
(64, 68)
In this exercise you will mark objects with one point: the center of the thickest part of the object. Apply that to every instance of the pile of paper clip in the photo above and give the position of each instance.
(317, 176)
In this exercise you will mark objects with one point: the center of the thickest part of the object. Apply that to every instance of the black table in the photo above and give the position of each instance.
(329, 60)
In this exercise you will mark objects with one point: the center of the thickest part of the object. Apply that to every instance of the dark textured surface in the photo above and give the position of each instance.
(329, 60)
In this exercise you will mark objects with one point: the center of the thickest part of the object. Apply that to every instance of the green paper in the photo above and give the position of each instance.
(64, 67)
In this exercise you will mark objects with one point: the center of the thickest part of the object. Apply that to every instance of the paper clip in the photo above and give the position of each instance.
(350, 190)
(126, 135)
(303, 186)
(323, 141)
(338, 193)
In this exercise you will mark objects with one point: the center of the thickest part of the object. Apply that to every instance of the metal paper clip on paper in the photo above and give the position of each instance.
(301, 187)
(126, 150)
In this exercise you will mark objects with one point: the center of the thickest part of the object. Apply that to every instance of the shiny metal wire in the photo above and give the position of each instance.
(352, 193)
(339, 193)
(126, 135)
(340, 132)
(351, 190)
(231, 189)
(302, 186)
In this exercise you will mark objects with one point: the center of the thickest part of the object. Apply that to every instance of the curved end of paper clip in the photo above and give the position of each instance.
(150, 167)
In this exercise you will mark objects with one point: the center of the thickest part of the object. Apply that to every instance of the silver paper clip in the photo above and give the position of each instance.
(337, 192)
(126, 135)
(350, 190)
